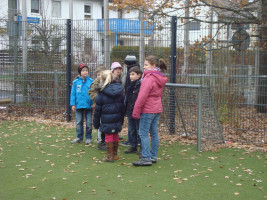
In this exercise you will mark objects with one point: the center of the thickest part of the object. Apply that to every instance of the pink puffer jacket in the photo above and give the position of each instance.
(150, 94)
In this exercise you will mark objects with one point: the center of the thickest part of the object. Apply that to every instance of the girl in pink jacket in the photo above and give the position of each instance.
(148, 107)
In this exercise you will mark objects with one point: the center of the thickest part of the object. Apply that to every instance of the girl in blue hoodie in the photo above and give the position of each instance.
(81, 103)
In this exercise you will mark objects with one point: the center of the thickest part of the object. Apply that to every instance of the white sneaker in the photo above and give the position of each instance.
(76, 140)
(88, 141)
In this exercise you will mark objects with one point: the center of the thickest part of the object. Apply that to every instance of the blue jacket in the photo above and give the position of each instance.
(79, 93)
(109, 109)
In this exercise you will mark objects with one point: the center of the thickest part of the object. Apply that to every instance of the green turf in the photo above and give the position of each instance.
(37, 161)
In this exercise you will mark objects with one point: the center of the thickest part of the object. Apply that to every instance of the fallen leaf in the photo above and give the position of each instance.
(32, 187)
(94, 191)
(28, 175)
(236, 193)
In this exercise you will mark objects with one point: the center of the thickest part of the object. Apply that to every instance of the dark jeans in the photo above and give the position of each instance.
(80, 113)
(133, 129)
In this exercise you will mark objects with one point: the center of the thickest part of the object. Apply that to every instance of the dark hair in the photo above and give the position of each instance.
(153, 60)
(81, 66)
(136, 69)
(100, 68)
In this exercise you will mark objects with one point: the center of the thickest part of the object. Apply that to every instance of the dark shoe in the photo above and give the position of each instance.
(120, 138)
(101, 146)
(76, 140)
(154, 160)
(142, 162)
(131, 150)
(126, 143)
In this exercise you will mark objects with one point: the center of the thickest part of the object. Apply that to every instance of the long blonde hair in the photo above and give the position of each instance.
(106, 78)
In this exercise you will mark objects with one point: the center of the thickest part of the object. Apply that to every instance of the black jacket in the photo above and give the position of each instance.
(109, 109)
(131, 96)
(127, 79)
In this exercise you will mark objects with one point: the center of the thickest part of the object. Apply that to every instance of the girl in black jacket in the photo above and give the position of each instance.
(109, 113)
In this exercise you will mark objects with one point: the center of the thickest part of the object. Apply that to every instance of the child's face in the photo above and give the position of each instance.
(117, 72)
(84, 72)
(148, 66)
(98, 76)
(134, 76)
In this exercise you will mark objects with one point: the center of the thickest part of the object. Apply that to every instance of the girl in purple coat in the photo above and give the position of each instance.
(148, 107)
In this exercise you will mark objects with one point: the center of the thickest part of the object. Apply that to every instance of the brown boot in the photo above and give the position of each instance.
(115, 150)
(109, 157)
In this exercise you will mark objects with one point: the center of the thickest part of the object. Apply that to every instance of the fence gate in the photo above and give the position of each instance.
(189, 110)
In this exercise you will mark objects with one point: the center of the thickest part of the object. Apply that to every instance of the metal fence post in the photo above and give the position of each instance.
(173, 74)
(173, 49)
(199, 108)
(56, 88)
(68, 72)
(16, 38)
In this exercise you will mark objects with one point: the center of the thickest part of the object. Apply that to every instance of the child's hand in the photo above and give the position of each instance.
(73, 108)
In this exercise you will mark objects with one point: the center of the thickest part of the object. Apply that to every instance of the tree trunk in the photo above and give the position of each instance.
(262, 84)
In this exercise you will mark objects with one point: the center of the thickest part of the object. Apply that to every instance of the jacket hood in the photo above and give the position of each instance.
(113, 90)
(159, 78)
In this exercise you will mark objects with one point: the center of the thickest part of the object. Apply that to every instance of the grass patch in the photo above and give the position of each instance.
(37, 161)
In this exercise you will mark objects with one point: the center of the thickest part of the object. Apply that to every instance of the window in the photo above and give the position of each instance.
(194, 26)
(56, 44)
(37, 43)
(120, 42)
(56, 9)
(88, 45)
(87, 12)
(237, 26)
(35, 6)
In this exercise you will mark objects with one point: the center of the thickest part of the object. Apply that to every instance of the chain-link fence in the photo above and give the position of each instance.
(205, 55)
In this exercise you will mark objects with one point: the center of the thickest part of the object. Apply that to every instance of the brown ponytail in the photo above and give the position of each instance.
(153, 60)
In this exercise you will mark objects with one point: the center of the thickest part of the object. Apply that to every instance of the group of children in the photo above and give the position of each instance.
(113, 98)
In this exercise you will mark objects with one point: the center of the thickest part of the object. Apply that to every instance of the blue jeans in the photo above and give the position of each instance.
(80, 113)
(133, 129)
(149, 123)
